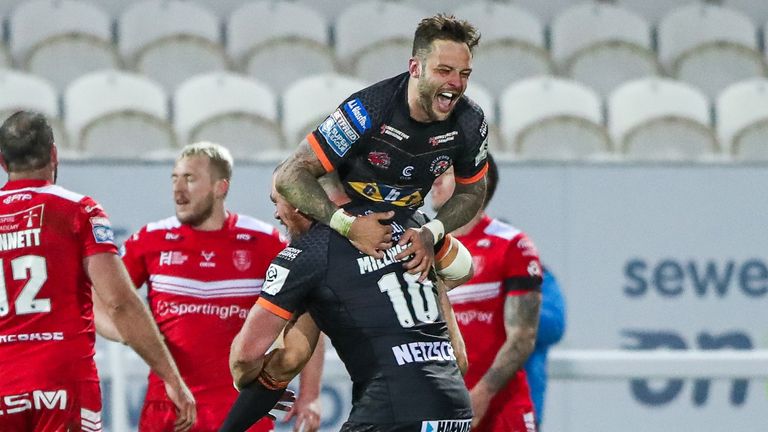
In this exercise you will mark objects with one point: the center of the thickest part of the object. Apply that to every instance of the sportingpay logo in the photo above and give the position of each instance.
(221, 311)
(359, 115)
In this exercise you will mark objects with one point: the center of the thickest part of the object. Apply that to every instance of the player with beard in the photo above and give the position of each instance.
(57, 244)
(388, 142)
(204, 269)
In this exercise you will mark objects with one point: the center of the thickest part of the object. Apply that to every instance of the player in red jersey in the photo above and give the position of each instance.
(54, 245)
(498, 314)
(204, 269)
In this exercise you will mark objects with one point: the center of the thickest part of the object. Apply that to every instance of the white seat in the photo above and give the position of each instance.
(171, 40)
(223, 8)
(544, 9)
(22, 91)
(308, 101)
(742, 119)
(5, 58)
(483, 97)
(330, 9)
(512, 44)
(116, 114)
(602, 45)
(113, 7)
(7, 6)
(433, 7)
(230, 109)
(656, 118)
(756, 10)
(374, 39)
(652, 10)
(289, 41)
(551, 118)
(709, 46)
(61, 39)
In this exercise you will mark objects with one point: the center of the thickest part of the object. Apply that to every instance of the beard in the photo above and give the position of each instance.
(199, 214)
(427, 92)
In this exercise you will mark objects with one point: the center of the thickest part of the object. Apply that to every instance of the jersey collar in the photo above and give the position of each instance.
(25, 183)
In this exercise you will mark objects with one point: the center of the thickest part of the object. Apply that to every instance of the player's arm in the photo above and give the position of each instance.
(458, 210)
(296, 180)
(457, 340)
(105, 327)
(521, 319)
(137, 328)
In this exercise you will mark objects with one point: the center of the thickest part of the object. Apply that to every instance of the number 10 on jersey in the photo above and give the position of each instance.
(422, 298)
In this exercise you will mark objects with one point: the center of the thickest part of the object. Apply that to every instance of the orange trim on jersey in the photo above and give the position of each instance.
(275, 309)
(444, 249)
(319, 152)
(475, 178)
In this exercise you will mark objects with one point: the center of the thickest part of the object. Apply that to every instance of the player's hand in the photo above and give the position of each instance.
(481, 399)
(422, 247)
(369, 235)
(285, 403)
(186, 412)
(307, 413)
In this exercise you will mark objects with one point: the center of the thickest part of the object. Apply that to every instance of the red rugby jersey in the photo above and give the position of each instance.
(499, 252)
(201, 285)
(47, 333)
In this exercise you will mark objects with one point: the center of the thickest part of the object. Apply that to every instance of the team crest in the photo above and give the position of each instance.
(379, 159)
(440, 165)
(241, 259)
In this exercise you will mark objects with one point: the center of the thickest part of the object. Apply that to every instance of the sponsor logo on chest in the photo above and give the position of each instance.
(207, 259)
(241, 259)
(169, 258)
(393, 132)
(444, 138)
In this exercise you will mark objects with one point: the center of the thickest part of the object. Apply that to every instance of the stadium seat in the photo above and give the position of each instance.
(756, 10)
(551, 118)
(661, 119)
(487, 101)
(115, 114)
(512, 45)
(229, 109)
(223, 8)
(308, 101)
(602, 45)
(742, 119)
(19, 90)
(652, 10)
(330, 9)
(290, 41)
(60, 40)
(433, 7)
(709, 46)
(7, 6)
(544, 9)
(171, 40)
(374, 39)
(114, 8)
(5, 58)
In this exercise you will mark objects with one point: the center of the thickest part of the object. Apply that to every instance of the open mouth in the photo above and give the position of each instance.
(445, 100)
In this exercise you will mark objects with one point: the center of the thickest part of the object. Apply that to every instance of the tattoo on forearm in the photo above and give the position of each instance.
(462, 206)
(297, 183)
(521, 319)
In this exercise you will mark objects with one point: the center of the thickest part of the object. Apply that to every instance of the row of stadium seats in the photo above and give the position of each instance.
(116, 114)
(600, 44)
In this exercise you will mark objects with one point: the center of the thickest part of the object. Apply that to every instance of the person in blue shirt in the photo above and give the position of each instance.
(551, 330)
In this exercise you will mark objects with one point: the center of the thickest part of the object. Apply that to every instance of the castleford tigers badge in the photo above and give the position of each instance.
(241, 259)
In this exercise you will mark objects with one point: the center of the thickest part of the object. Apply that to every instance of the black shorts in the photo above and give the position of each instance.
(422, 426)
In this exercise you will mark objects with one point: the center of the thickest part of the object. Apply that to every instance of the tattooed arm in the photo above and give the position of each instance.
(457, 211)
(296, 180)
(521, 319)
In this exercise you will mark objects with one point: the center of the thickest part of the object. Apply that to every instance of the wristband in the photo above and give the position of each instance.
(341, 222)
(436, 228)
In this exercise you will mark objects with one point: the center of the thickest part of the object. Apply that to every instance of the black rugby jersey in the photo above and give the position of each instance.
(385, 325)
(383, 155)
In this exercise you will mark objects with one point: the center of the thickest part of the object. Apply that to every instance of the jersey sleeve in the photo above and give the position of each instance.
(471, 165)
(523, 270)
(133, 258)
(336, 138)
(292, 276)
(94, 228)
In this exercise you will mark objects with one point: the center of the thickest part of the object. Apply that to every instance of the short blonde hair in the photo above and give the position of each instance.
(220, 157)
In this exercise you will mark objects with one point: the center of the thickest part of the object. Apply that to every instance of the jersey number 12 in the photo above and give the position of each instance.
(32, 269)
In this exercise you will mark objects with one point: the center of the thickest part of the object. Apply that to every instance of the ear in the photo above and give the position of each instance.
(54, 154)
(414, 67)
(3, 164)
(222, 187)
